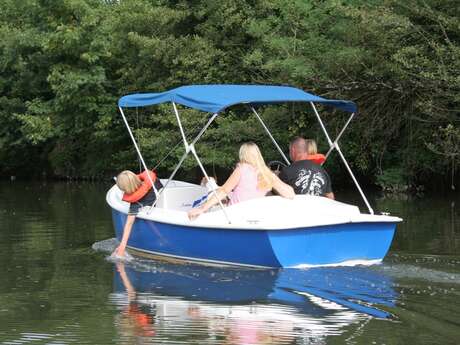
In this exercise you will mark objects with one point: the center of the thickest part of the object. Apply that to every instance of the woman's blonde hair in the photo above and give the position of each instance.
(250, 154)
(128, 181)
(312, 149)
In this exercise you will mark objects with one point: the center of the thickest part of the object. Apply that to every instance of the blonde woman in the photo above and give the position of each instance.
(250, 179)
(138, 192)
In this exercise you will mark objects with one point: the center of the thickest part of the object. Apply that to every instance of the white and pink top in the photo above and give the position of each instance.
(247, 185)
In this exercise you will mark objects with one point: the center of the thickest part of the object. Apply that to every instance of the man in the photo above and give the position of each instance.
(304, 175)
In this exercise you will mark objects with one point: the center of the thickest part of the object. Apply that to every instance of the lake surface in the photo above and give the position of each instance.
(57, 286)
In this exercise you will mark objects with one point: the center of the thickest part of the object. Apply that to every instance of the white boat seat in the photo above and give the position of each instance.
(182, 197)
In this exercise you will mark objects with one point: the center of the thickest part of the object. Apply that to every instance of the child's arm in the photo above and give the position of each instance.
(120, 251)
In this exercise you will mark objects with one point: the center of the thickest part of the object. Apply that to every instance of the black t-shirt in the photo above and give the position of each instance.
(307, 177)
(147, 200)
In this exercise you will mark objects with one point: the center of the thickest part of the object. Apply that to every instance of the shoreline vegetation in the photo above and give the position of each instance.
(64, 64)
(345, 187)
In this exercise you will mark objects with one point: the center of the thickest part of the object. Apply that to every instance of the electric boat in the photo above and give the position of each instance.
(265, 232)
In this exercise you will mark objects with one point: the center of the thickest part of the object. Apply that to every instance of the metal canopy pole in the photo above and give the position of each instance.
(187, 150)
(191, 148)
(331, 144)
(214, 191)
(184, 138)
(335, 145)
(138, 151)
(340, 135)
(354, 179)
(271, 136)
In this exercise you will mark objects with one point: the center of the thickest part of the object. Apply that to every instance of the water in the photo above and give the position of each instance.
(57, 286)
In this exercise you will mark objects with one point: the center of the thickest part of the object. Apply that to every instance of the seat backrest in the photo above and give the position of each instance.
(182, 198)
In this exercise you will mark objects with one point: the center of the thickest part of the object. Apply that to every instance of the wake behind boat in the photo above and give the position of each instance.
(262, 232)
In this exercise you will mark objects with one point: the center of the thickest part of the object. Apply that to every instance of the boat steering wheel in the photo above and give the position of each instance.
(276, 166)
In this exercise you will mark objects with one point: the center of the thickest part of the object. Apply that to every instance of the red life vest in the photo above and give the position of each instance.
(143, 189)
(317, 158)
(142, 320)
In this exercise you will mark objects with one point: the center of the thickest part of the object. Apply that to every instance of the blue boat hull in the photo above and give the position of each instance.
(324, 245)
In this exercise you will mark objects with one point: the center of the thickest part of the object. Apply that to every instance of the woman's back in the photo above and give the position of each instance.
(247, 185)
(251, 179)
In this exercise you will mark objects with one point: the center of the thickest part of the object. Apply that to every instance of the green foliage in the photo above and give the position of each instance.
(64, 64)
(36, 123)
(446, 144)
(392, 180)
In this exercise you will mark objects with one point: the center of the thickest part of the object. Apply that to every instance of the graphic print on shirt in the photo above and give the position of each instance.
(310, 183)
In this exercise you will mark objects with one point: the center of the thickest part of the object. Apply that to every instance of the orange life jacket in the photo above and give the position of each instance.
(317, 158)
(142, 320)
(143, 189)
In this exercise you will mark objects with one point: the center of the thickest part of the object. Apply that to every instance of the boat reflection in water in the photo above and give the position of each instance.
(172, 303)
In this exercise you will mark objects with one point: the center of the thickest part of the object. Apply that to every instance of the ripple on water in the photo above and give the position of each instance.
(105, 246)
(433, 269)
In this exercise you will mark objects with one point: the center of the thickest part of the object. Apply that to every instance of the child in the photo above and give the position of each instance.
(312, 152)
(138, 192)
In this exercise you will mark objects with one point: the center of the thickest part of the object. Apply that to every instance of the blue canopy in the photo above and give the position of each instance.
(216, 98)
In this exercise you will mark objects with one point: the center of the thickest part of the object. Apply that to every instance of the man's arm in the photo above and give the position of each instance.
(328, 192)
(330, 195)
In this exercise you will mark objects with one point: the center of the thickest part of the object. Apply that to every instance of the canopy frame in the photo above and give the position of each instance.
(335, 145)
(271, 136)
(190, 148)
(138, 151)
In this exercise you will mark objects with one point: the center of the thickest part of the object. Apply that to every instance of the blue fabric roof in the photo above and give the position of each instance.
(216, 98)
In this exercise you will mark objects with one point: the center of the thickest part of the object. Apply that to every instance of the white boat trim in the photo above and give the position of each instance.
(207, 262)
(256, 214)
(348, 263)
